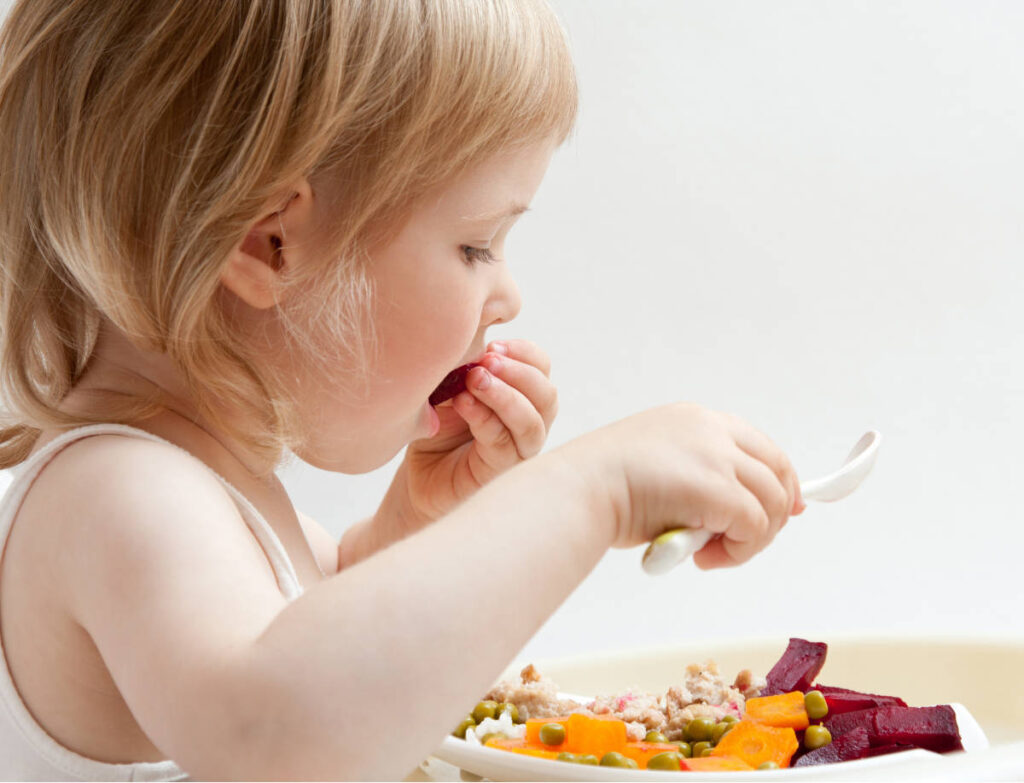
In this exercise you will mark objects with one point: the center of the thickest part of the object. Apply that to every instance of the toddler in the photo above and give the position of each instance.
(235, 231)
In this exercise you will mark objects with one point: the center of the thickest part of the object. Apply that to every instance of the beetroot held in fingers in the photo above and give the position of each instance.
(797, 668)
(453, 384)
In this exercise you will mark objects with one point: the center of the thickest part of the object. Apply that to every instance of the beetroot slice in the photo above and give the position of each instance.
(931, 728)
(842, 700)
(453, 383)
(845, 722)
(852, 745)
(883, 750)
(797, 668)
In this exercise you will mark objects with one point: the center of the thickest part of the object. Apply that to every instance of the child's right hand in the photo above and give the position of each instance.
(682, 465)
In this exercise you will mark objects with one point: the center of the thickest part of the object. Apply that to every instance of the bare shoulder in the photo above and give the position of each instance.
(111, 491)
(144, 549)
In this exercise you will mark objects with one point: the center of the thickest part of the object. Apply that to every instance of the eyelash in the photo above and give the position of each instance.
(476, 255)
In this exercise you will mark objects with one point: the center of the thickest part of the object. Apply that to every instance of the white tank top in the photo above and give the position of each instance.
(27, 752)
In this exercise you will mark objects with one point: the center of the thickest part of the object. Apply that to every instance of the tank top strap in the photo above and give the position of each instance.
(24, 474)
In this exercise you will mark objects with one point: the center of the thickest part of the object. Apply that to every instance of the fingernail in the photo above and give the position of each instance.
(492, 363)
(498, 347)
(482, 379)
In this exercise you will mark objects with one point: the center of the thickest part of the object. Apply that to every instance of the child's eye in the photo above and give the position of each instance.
(476, 255)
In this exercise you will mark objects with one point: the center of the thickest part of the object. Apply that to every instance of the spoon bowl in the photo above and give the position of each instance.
(673, 546)
(855, 468)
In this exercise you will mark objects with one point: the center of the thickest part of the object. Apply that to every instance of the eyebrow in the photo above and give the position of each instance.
(502, 214)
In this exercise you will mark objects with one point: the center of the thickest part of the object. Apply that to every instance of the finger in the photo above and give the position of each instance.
(493, 450)
(529, 381)
(746, 535)
(517, 413)
(516, 424)
(761, 447)
(759, 479)
(523, 351)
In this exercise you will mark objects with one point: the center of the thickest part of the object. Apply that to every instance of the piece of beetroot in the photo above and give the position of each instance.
(797, 668)
(842, 700)
(883, 750)
(931, 728)
(852, 745)
(845, 722)
(453, 383)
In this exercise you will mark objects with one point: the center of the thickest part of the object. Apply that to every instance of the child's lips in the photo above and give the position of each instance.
(453, 384)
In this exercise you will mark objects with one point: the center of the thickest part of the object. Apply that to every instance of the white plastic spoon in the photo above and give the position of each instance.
(672, 547)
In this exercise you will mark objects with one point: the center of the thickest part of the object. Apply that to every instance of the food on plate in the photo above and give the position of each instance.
(453, 383)
(704, 724)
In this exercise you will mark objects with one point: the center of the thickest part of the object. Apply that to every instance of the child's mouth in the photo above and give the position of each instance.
(453, 383)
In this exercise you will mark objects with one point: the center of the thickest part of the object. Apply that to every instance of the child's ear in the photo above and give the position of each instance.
(254, 266)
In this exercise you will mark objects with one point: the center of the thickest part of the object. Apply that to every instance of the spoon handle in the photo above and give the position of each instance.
(673, 546)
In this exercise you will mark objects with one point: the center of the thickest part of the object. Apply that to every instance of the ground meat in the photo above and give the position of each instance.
(635, 732)
(534, 696)
(749, 685)
(704, 683)
(632, 707)
(702, 694)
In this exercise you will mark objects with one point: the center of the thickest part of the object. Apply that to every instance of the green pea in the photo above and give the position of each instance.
(613, 759)
(655, 736)
(719, 731)
(706, 752)
(817, 707)
(729, 719)
(767, 765)
(492, 735)
(462, 728)
(698, 748)
(668, 760)
(684, 749)
(570, 757)
(589, 758)
(485, 709)
(699, 730)
(552, 733)
(816, 737)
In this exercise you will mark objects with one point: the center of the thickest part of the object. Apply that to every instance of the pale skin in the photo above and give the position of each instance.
(267, 689)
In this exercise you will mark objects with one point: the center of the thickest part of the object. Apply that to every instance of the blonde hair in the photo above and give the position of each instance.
(140, 141)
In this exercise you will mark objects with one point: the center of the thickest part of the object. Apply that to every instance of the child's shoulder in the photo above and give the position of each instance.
(130, 494)
(107, 471)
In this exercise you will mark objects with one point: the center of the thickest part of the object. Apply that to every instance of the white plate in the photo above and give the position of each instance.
(501, 765)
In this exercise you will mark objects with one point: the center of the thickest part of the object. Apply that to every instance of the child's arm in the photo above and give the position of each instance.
(232, 682)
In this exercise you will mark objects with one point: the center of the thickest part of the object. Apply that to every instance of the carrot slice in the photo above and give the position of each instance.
(598, 734)
(715, 764)
(785, 710)
(642, 752)
(756, 743)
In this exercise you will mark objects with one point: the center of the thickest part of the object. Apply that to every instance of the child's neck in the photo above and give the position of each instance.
(119, 367)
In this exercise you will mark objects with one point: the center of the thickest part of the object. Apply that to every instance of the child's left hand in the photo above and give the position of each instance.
(501, 419)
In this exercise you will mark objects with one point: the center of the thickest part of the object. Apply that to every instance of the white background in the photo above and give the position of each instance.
(809, 214)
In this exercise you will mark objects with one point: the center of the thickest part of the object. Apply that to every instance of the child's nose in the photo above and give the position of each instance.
(505, 302)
